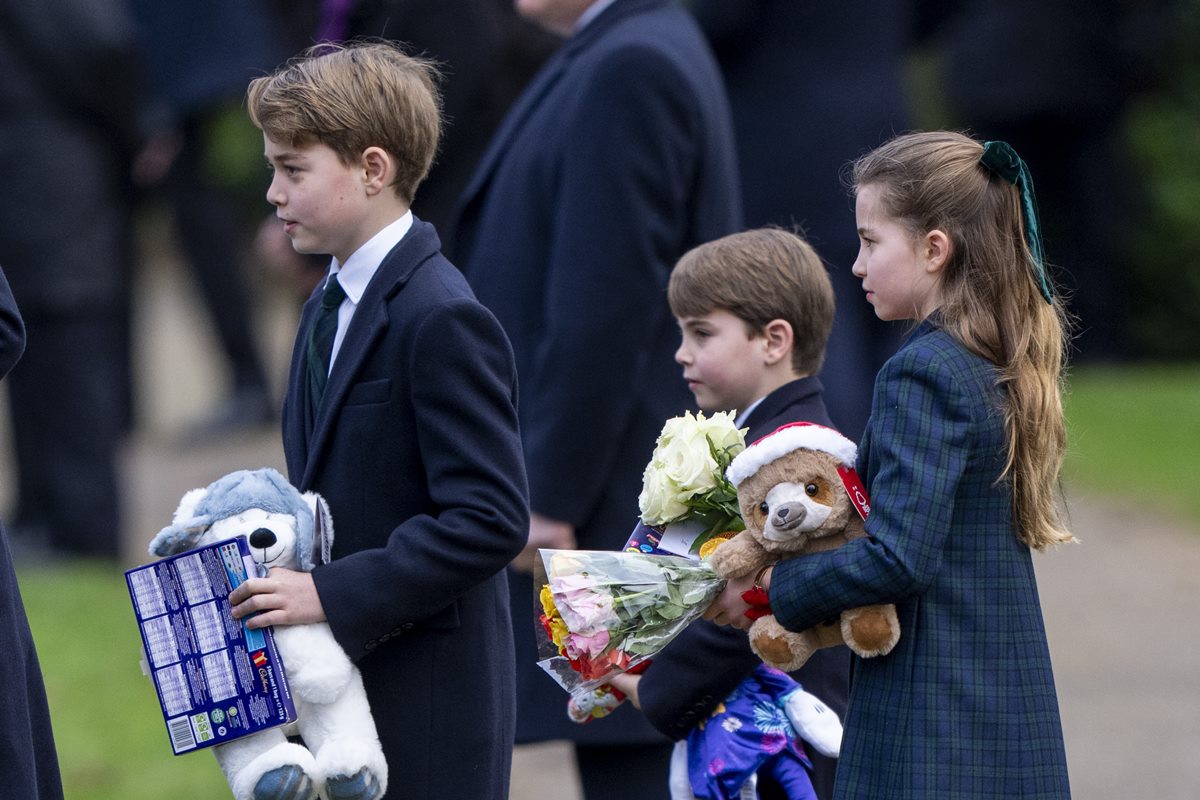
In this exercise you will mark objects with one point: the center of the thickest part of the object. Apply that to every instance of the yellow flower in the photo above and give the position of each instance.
(558, 628)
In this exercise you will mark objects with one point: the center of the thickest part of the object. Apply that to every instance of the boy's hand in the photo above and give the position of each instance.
(729, 608)
(284, 597)
(547, 533)
(628, 685)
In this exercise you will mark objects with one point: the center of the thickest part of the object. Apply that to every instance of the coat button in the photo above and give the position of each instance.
(371, 645)
(408, 626)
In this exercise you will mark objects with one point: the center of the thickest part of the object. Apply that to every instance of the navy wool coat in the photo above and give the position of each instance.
(415, 448)
(616, 160)
(28, 760)
(965, 706)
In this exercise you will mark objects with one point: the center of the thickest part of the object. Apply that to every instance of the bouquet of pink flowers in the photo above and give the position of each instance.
(603, 613)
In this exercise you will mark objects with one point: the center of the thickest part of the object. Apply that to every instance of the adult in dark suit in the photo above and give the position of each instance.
(813, 86)
(27, 754)
(706, 662)
(198, 59)
(68, 111)
(1054, 78)
(413, 441)
(617, 158)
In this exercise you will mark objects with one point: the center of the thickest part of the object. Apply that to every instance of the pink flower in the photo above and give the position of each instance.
(584, 608)
(586, 646)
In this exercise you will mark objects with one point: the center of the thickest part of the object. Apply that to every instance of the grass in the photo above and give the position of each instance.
(111, 739)
(1134, 433)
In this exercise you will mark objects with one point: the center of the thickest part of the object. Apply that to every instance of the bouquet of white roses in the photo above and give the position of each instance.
(685, 480)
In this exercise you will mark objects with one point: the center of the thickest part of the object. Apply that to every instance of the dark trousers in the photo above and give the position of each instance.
(210, 228)
(68, 407)
(624, 771)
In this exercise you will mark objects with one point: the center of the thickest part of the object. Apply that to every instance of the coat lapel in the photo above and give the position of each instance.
(549, 74)
(296, 425)
(368, 325)
(543, 82)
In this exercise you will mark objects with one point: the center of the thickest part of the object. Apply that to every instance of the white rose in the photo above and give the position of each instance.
(659, 500)
(687, 461)
(720, 428)
(682, 464)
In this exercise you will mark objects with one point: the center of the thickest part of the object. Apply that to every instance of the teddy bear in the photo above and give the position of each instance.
(799, 494)
(340, 756)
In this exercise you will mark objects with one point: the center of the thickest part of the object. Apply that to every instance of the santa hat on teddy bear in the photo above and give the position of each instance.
(809, 436)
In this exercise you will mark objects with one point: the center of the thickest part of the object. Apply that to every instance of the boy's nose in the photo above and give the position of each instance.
(274, 196)
(680, 355)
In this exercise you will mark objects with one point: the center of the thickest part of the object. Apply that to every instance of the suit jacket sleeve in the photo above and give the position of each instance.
(680, 690)
(462, 378)
(624, 188)
(920, 439)
(12, 329)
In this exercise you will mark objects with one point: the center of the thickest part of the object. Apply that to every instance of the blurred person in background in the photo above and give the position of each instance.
(198, 59)
(812, 87)
(1053, 78)
(69, 128)
(617, 158)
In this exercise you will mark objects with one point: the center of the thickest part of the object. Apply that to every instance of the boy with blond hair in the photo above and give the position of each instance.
(755, 310)
(401, 412)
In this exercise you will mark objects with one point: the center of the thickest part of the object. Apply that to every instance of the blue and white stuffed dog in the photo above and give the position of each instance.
(341, 756)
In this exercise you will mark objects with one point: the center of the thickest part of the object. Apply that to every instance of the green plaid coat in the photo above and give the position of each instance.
(965, 706)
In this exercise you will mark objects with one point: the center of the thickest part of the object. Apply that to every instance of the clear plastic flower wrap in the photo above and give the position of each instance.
(602, 613)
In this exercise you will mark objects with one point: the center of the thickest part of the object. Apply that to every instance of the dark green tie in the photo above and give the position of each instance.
(320, 341)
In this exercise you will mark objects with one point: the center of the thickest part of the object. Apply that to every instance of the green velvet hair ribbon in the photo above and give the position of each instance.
(1000, 159)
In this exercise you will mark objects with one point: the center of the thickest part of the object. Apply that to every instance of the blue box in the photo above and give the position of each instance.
(216, 680)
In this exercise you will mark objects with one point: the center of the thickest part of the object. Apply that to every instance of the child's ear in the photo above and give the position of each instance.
(778, 337)
(938, 248)
(377, 169)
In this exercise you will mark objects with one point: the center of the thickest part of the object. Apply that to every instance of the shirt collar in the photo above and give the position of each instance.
(745, 415)
(593, 11)
(364, 262)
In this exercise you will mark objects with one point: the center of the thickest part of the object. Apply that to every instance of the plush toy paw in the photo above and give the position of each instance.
(777, 646)
(289, 782)
(814, 722)
(735, 557)
(362, 785)
(680, 783)
(871, 630)
(353, 769)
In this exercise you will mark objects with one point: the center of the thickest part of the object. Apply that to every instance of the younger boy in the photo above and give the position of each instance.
(400, 412)
(755, 310)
